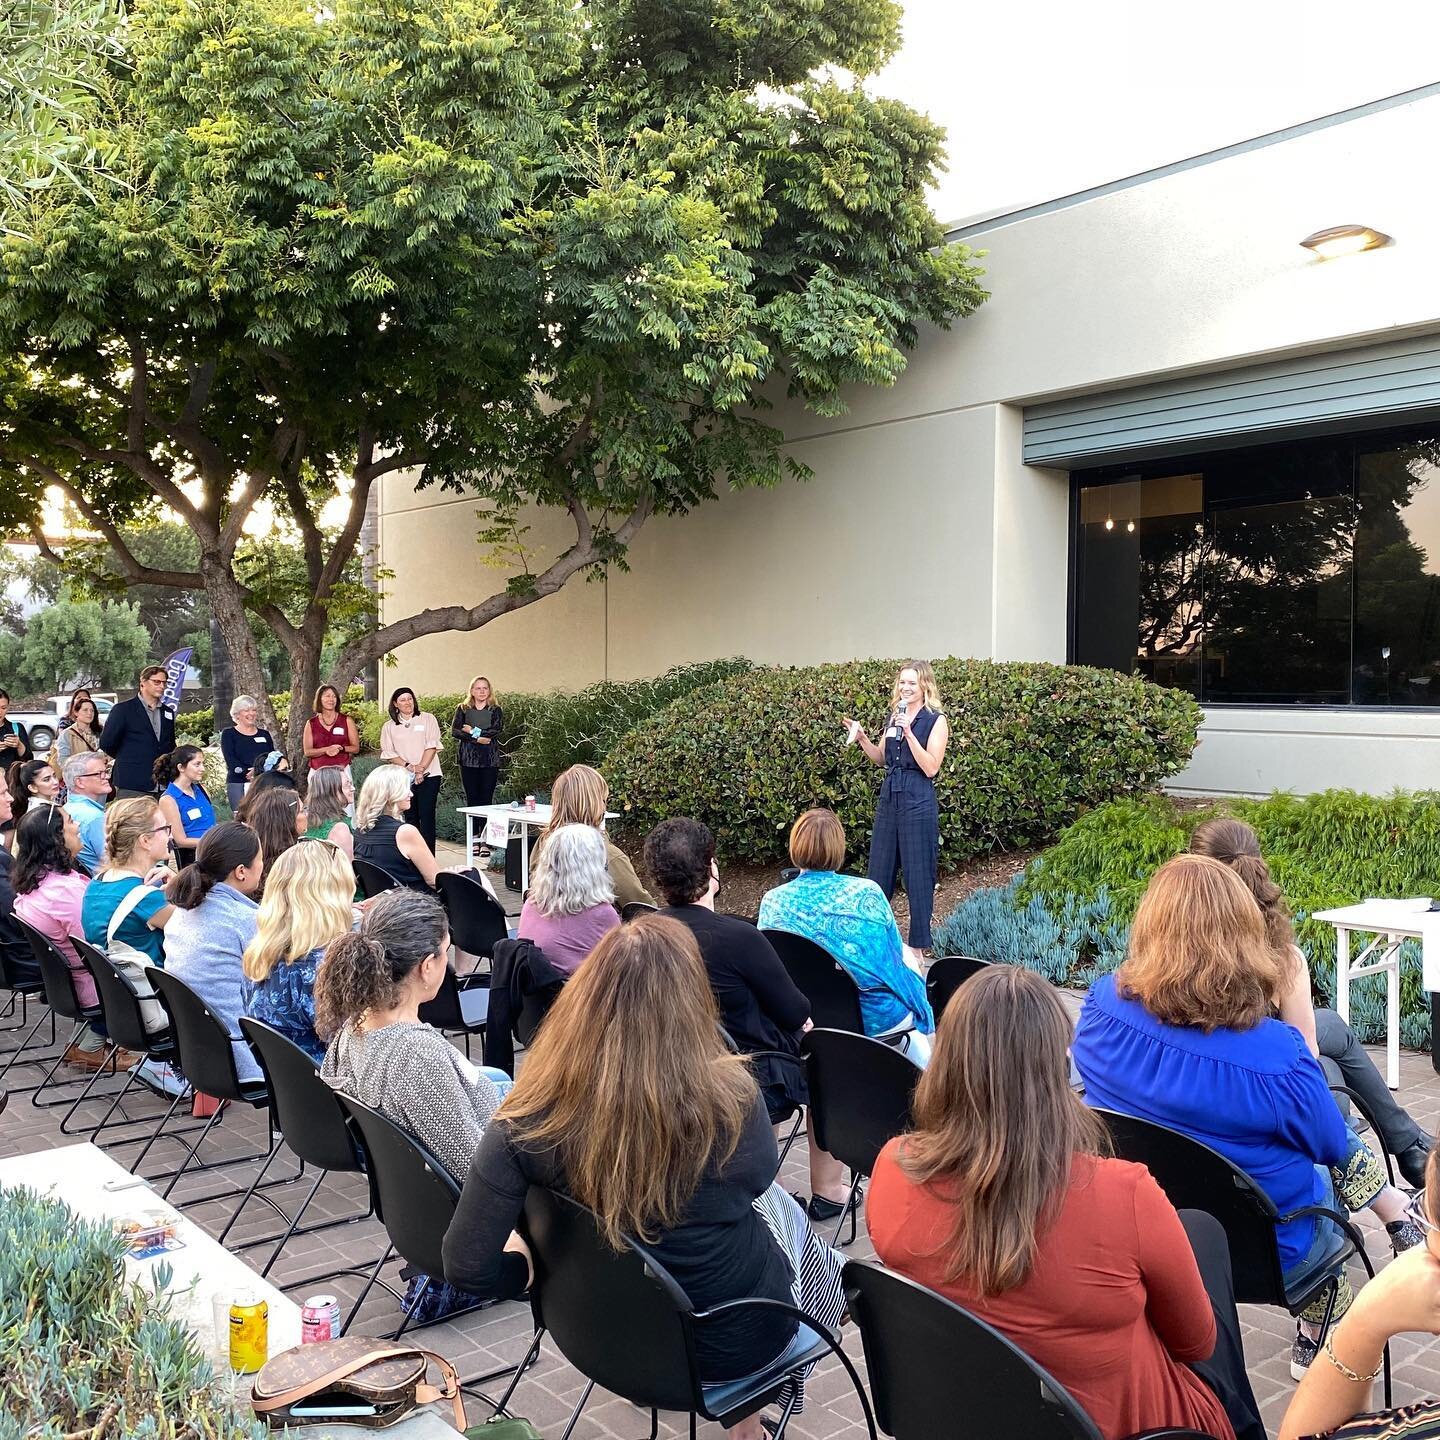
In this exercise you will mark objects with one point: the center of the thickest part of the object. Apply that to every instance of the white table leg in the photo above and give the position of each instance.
(469, 837)
(1342, 973)
(524, 858)
(1392, 1015)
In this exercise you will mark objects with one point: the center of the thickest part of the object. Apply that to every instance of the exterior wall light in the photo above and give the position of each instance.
(1341, 240)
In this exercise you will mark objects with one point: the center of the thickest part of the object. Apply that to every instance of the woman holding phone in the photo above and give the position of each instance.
(907, 816)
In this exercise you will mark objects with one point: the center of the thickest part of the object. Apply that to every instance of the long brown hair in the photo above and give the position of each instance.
(577, 797)
(1199, 954)
(997, 1126)
(1232, 842)
(630, 1081)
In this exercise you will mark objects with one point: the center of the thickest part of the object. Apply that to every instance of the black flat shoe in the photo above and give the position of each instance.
(822, 1209)
(1412, 1163)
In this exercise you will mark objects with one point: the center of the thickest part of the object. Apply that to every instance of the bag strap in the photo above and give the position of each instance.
(425, 1394)
(132, 898)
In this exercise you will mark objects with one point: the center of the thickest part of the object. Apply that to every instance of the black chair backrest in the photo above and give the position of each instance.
(946, 975)
(824, 982)
(307, 1111)
(860, 1094)
(443, 1011)
(371, 879)
(636, 908)
(936, 1370)
(414, 1194)
(56, 976)
(119, 1003)
(477, 919)
(615, 1318)
(202, 1041)
(1195, 1177)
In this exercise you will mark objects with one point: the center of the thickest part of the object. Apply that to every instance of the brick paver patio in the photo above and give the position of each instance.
(499, 1335)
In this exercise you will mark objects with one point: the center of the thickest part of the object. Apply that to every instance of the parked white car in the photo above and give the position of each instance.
(44, 725)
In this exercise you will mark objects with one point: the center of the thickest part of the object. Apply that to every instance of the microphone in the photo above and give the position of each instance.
(902, 710)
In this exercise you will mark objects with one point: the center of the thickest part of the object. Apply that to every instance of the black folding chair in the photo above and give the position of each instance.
(937, 1370)
(621, 1319)
(310, 1117)
(372, 880)
(834, 997)
(1195, 1177)
(461, 1006)
(23, 988)
(636, 908)
(946, 975)
(477, 919)
(1367, 1116)
(860, 1095)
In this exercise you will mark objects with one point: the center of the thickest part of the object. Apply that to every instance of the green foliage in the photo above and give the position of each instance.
(1070, 913)
(85, 1350)
(582, 729)
(202, 727)
(99, 642)
(1032, 746)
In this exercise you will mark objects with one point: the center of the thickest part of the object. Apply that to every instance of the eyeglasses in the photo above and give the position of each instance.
(161, 830)
(321, 840)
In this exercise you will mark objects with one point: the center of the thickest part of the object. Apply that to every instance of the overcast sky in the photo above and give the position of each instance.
(1042, 99)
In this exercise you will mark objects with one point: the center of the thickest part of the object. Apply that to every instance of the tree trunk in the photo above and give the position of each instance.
(227, 606)
(304, 681)
(370, 565)
(222, 674)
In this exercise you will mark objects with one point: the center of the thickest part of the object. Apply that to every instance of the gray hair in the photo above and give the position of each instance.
(385, 786)
(74, 767)
(242, 702)
(571, 872)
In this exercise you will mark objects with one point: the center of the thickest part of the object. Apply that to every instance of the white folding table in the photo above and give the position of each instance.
(512, 815)
(1389, 923)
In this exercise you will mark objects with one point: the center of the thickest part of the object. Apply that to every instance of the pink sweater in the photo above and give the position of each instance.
(53, 908)
(567, 939)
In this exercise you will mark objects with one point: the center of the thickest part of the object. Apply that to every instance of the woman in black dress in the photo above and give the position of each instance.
(476, 728)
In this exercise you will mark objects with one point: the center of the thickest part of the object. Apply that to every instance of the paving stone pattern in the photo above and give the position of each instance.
(499, 1335)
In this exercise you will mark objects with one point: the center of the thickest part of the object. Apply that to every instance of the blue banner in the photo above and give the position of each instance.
(175, 667)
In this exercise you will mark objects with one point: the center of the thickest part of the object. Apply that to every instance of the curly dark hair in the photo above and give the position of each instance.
(678, 854)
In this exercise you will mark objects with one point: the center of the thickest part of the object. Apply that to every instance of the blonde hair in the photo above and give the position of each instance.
(630, 1082)
(384, 788)
(928, 689)
(578, 797)
(817, 841)
(125, 822)
(308, 893)
(470, 693)
(1199, 954)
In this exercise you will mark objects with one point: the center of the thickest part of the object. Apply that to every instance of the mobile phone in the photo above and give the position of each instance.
(323, 1409)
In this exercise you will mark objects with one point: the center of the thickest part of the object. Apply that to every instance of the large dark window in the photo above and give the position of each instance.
(1305, 573)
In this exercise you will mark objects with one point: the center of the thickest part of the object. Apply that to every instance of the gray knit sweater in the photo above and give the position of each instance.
(412, 1074)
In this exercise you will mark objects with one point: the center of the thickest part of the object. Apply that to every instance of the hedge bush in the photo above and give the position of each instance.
(1033, 745)
(1068, 916)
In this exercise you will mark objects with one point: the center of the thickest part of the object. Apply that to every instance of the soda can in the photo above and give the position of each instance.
(529, 802)
(319, 1319)
(249, 1332)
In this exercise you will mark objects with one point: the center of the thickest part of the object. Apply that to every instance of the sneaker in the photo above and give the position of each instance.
(165, 1079)
(1302, 1353)
(1404, 1235)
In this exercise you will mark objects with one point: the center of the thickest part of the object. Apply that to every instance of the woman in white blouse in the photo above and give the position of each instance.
(411, 737)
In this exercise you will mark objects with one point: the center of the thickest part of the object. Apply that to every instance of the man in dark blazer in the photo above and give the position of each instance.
(137, 733)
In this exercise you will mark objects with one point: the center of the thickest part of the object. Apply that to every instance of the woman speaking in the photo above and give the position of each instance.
(907, 817)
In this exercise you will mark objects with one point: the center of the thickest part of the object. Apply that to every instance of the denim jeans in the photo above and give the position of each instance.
(1323, 1243)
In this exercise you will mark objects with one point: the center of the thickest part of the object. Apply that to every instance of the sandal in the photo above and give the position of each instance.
(822, 1209)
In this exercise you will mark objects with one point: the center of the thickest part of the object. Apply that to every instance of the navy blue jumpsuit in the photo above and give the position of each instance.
(907, 827)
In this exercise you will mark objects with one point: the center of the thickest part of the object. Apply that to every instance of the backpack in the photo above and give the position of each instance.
(131, 963)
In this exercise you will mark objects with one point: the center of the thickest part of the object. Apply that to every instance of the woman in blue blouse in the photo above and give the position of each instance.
(183, 802)
(1183, 1034)
(852, 920)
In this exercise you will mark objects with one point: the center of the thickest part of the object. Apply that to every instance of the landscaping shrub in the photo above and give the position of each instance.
(86, 1351)
(201, 726)
(582, 729)
(1032, 746)
(1068, 915)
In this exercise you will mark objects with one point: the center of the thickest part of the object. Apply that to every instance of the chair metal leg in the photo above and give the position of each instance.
(654, 1425)
(25, 1045)
(369, 1286)
(791, 1138)
(849, 1213)
(297, 1229)
(275, 1144)
(584, 1399)
(530, 1357)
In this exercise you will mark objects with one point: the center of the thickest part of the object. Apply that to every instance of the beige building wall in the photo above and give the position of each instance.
(923, 531)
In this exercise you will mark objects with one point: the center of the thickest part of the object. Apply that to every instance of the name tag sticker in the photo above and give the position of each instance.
(193, 814)
(893, 732)
(338, 730)
(260, 739)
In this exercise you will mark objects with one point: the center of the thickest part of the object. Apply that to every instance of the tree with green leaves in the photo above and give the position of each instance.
(534, 252)
(90, 642)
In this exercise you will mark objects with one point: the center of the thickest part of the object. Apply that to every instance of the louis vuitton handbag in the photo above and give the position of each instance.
(352, 1381)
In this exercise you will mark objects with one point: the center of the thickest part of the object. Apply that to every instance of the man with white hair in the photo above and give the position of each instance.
(87, 778)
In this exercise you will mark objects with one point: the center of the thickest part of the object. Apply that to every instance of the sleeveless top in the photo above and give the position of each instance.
(377, 845)
(903, 775)
(197, 814)
(321, 734)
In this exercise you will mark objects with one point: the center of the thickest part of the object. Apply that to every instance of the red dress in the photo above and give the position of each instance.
(320, 735)
(1111, 1308)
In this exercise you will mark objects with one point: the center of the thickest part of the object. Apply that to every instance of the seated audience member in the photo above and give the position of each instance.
(49, 891)
(630, 1102)
(760, 1006)
(1404, 1298)
(87, 781)
(369, 993)
(306, 906)
(183, 801)
(385, 838)
(570, 906)
(30, 781)
(851, 919)
(125, 909)
(1183, 1034)
(270, 772)
(215, 918)
(279, 818)
(19, 960)
(579, 797)
(1004, 1199)
(1342, 1057)
(328, 799)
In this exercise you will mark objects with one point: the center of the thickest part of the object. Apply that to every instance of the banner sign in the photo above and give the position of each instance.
(175, 667)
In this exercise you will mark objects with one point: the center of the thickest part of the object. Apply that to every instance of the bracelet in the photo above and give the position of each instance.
(1344, 1369)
